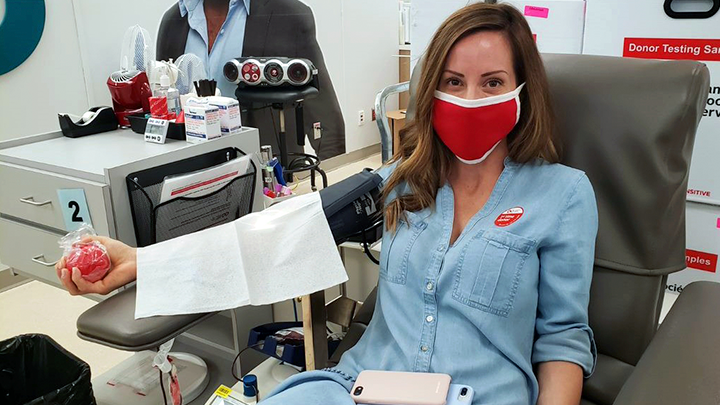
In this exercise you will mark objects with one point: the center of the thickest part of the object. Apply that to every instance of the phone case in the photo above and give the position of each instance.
(400, 388)
(456, 397)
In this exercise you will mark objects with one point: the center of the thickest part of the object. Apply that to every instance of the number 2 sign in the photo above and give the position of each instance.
(74, 208)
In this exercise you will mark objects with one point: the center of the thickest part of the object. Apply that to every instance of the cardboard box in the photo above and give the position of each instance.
(404, 76)
(557, 25)
(229, 108)
(202, 123)
(397, 122)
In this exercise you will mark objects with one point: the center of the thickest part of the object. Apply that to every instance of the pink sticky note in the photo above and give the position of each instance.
(718, 223)
(532, 11)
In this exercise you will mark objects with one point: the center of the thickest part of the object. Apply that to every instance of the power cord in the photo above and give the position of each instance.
(162, 387)
(275, 129)
(366, 246)
(232, 366)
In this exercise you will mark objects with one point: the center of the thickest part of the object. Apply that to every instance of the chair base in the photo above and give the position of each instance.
(135, 381)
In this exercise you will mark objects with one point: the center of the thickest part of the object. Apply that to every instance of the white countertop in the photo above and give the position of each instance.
(89, 156)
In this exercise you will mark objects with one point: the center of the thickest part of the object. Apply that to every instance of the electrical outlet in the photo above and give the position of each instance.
(361, 117)
(317, 130)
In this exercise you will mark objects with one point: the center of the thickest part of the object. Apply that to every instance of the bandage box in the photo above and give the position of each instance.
(202, 123)
(229, 108)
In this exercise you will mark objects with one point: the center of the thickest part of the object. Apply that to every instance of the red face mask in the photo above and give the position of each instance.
(472, 129)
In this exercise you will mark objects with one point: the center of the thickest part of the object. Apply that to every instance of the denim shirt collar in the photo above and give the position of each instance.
(188, 6)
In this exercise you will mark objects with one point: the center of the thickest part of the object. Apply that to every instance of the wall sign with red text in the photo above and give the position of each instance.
(701, 260)
(702, 247)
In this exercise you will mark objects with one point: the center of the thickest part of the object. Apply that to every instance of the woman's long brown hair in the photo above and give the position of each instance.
(424, 161)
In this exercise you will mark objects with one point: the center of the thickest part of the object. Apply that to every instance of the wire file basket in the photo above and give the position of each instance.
(156, 220)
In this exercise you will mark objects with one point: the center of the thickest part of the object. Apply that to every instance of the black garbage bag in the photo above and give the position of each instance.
(35, 370)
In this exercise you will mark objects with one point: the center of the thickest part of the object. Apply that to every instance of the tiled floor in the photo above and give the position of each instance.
(39, 308)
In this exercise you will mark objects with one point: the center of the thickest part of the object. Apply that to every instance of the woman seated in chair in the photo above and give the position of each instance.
(488, 251)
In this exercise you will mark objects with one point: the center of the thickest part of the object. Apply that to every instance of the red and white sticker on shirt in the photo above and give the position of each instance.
(509, 217)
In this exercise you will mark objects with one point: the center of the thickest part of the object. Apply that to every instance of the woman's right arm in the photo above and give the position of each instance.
(123, 271)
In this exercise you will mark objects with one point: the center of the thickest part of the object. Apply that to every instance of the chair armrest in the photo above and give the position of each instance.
(112, 323)
(682, 363)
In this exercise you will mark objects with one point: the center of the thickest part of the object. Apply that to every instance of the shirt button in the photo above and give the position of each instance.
(222, 31)
(440, 248)
(429, 318)
(429, 286)
(424, 348)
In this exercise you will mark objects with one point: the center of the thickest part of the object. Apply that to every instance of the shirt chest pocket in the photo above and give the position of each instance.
(397, 246)
(490, 269)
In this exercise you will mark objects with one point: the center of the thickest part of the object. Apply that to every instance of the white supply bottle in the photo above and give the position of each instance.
(171, 93)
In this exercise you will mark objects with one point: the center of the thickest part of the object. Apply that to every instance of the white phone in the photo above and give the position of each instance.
(400, 388)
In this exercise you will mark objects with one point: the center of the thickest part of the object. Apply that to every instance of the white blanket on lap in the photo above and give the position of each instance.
(283, 252)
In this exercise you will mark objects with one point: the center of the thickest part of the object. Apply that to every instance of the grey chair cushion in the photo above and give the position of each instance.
(624, 311)
(630, 125)
(682, 364)
(609, 377)
(112, 323)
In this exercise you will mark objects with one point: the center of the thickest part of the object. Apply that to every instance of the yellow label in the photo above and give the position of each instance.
(223, 391)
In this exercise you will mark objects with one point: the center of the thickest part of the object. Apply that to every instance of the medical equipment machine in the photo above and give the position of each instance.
(273, 71)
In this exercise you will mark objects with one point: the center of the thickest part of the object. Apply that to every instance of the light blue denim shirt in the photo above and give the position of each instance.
(228, 44)
(499, 300)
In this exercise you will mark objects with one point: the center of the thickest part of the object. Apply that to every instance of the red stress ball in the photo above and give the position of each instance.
(91, 259)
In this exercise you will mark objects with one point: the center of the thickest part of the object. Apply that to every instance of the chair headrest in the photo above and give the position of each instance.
(630, 124)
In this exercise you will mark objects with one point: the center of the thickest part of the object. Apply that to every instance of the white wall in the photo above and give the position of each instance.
(81, 47)
(50, 81)
(425, 17)
(370, 41)
(562, 32)
(101, 34)
(359, 40)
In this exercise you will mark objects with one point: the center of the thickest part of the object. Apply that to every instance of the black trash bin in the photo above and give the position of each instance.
(35, 370)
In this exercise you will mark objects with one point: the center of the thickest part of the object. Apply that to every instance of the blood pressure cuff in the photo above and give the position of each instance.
(353, 204)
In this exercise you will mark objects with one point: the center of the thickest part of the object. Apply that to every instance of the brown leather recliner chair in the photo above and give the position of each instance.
(630, 125)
